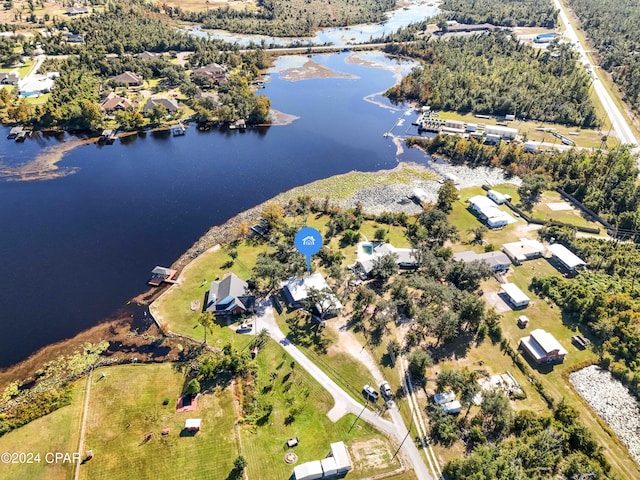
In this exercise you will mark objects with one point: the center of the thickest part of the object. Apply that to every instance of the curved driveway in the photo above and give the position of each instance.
(343, 403)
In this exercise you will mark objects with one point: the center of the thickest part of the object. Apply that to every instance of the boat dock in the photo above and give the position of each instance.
(108, 136)
(19, 133)
(178, 130)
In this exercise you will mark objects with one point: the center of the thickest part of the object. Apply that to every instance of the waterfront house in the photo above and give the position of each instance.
(129, 78)
(230, 296)
(169, 104)
(115, 102)
(542, 347)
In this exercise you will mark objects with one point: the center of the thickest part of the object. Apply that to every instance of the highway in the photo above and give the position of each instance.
(618, 122)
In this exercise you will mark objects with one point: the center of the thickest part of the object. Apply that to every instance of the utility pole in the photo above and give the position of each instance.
(405, 437)
(356, 420)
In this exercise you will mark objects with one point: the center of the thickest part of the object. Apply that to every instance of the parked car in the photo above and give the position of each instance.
(370, 393)
(385, 390)
(245, 327)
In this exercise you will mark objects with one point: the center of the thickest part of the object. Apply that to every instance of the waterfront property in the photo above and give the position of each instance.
(498, 261)
(542, 347)
(168, 104)
(162, 274)
(114, 102)
(215, 72)
(230, 296)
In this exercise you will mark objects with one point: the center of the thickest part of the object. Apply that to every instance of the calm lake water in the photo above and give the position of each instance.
(76, 248)
(417, 11)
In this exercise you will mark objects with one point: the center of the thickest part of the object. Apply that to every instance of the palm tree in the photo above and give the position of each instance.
(205, 320)
(261, 338)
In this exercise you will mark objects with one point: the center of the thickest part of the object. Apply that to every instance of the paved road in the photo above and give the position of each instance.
(620, 125)
(343, 403)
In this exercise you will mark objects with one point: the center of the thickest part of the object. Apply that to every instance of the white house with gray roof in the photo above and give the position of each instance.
(370, 252)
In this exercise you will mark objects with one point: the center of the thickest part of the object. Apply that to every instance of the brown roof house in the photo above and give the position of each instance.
(217, 73)
(168, 103)
(130, 78)
(115, 102)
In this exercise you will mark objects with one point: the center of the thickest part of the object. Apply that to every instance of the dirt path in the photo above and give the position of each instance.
(83, 423)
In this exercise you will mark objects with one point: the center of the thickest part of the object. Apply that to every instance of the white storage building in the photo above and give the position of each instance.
(341, 455)
(489, 212)
(566, 257)
(516, 296)
(498, 197)
(308, 471)
(506, 133)
(452, 407)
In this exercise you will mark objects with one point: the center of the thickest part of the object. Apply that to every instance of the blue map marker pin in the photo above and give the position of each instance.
(308, 242)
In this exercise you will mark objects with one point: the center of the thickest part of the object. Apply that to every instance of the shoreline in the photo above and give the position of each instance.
(343, 190)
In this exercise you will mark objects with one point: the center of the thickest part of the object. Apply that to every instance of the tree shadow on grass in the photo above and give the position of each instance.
(234, 474)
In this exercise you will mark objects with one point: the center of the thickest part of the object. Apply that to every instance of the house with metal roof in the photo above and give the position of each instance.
(169, 104)
(566, 258)
(516, 297)
(308, 471)
(498, 261)
(523, 250)
(487, 210)
(542, 347)
(230, 296)
(296, 290)
(369, 252)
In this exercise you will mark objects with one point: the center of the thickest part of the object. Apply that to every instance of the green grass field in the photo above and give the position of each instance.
(127, 405)
(174, 306)
(56, 432)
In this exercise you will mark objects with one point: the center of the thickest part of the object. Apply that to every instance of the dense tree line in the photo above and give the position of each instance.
(508, 13)
(603, 181)
(612, 26)
(494, 73)
(526, 445)
(287, 17)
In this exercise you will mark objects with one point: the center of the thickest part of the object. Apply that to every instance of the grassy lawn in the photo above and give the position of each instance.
(127, 405)
(555, 378)
(264, 447)
(56, 432)
(173, 307)
(39, 100)
(590, 138)
(350, 374)
(25, 69)
(345, 186)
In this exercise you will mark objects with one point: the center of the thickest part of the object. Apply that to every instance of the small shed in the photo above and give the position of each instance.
(523, 321)
(192, 424)
(446, 397)
(516, 296)
(497, 197)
